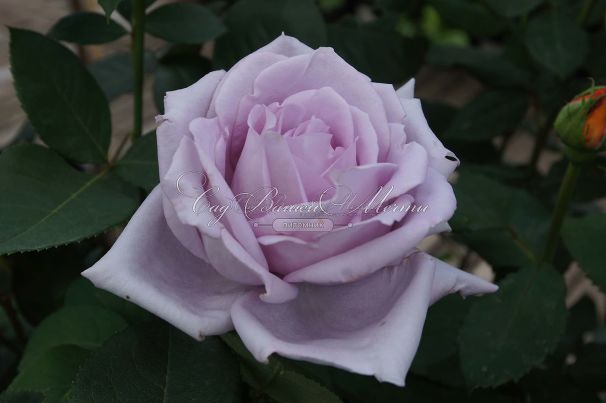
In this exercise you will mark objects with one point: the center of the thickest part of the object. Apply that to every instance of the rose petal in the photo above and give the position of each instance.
(412, 163)
(233, 262)
(211, 136)
(180, 108)
(187, 235)
(150, 267)
(323, 68)
(367, 145)
(222, 251)
(328, 106)
(227, 255)
(435, 192)
(355, 187)
(252, 173)
(183, 186)
(236, 223)
(418, 130)
(361, 185)
(407, 91)
(449, 280)
(391, 102)
(287, 254)
(312, 155)
(283, 171)
(286, 46)
(237, 83)
(371, 327)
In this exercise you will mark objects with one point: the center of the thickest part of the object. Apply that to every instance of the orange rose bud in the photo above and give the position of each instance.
(581, 124)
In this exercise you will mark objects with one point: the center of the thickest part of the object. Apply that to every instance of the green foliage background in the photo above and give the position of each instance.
(62, 340)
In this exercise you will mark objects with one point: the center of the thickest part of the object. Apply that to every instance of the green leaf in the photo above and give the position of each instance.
(492, 113)
(513, 8)
(109, 6)
(114, 73)
(508, 333)
(471, 16)
(22, 397)
(151, 363)
(52, 373)
(83, 326)
(140, 164)
(60, 97)
(86, 28)
(497, 221)
(583, 238)
(384, 55)
(487, 204)
(556, 42)
(176, 72)
(498, 247)
(184, 23)
(437, 356)
(275, 380)
(291, 387)
(45, 202)
(252, 24)
(491, 67)
(83, 292)
(53, 270)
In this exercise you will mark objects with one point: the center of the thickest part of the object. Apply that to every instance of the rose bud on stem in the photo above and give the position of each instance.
(581, 125)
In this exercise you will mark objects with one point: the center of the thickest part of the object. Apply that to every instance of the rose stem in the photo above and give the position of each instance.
(564, 196)
(138, 34)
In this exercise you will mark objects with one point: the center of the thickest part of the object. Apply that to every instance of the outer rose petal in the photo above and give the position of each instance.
(448, 280)
(391, 102)
(286, 46)
(181, 107)
(149, 266)
(371, 327)
(407, 91)
(417, 129)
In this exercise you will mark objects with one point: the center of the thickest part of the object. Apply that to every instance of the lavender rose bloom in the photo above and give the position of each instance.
(304, 126)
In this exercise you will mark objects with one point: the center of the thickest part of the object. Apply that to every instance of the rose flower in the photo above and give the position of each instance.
(339, 281)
